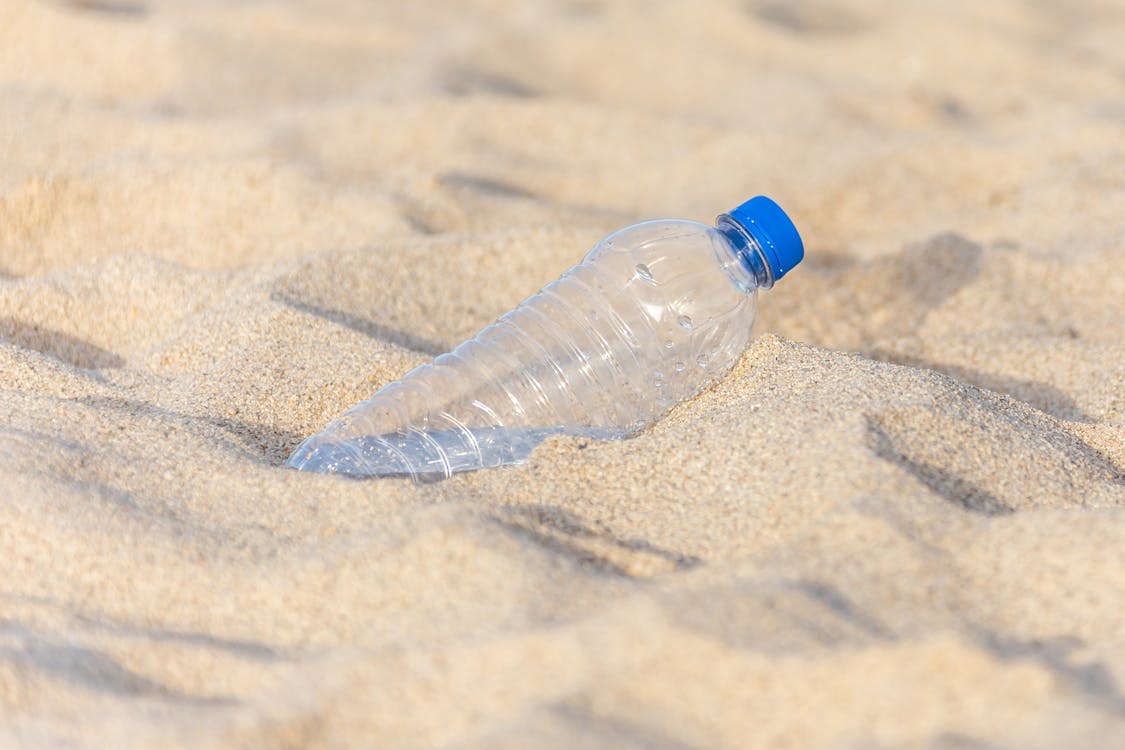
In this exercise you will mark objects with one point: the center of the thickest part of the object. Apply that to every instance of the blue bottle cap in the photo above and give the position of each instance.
(773, 229)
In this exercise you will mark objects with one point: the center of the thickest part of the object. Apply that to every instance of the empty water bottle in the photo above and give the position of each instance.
(653, 314)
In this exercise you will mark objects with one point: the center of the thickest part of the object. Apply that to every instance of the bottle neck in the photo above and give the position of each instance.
(749, 252)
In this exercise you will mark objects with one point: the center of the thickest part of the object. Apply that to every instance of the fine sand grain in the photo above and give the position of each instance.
(898, 523)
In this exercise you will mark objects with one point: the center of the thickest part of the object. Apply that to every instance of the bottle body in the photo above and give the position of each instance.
(652, 315)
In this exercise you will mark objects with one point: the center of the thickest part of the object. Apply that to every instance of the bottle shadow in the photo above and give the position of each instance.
(838, 302)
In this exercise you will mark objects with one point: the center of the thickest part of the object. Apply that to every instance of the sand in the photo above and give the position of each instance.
(898, 523)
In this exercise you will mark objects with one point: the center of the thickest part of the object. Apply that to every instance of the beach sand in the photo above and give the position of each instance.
(898, 523)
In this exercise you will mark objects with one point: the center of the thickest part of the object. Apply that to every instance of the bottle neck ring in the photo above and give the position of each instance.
(749, 251)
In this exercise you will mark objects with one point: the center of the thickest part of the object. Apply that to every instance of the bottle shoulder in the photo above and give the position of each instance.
(676, 272)
(675, 248)
(642, 234)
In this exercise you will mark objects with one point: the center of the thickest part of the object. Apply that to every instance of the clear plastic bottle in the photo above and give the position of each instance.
(655, 313)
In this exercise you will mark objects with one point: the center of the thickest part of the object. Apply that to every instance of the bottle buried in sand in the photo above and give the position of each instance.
(653, 315)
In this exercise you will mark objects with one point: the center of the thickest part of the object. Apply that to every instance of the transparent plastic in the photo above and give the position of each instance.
(654, 314)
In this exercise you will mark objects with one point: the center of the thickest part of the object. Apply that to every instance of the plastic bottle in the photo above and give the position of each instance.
(655, 313)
